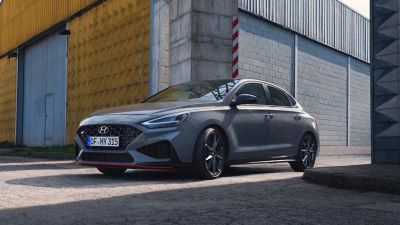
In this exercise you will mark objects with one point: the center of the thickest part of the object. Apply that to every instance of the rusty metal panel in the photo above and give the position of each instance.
(7, 98)
(329, 22)
(108, 59)
(21, 20)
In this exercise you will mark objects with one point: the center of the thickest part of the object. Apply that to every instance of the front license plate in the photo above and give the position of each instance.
(103, 141)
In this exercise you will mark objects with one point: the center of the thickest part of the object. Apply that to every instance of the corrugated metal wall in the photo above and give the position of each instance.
(21, 20)
(327, 21)
(108, 59)
(7, 98)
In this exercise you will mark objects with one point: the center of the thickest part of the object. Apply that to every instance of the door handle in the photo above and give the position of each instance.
(269, 115)
(297, 117)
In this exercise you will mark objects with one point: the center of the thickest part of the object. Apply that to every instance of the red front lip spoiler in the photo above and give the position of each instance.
(132, 166)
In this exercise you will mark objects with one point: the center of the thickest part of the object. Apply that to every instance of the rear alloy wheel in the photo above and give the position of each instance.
(209, 158)
(307, 154)
(111, 171)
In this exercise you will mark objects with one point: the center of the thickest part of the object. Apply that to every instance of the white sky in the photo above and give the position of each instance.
(361, 6)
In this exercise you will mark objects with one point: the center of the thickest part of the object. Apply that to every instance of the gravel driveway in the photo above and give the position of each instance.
(47, 192)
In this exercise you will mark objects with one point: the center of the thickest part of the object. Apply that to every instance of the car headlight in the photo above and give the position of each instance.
(172, 120)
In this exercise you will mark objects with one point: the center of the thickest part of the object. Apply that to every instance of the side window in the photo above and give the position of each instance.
(278, 97)
(256, 90)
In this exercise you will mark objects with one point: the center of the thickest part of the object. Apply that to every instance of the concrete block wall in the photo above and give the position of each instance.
(268, 52)
(322, 89)
(265, 52)
(360, 102)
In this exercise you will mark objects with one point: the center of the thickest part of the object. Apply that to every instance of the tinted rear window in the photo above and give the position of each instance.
(278, 97)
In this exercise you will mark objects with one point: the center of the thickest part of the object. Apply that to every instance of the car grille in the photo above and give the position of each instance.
(107, 157)
(125, 133)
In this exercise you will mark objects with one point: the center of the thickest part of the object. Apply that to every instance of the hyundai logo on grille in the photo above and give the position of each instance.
(103, 130)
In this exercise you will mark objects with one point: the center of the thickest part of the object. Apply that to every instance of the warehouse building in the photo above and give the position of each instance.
(61, 60)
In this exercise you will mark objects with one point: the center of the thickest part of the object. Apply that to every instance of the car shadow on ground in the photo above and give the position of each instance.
(93, 178)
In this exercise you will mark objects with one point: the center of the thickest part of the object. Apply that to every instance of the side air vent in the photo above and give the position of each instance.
(159, 150)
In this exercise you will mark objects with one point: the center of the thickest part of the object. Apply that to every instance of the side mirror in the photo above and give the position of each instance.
(243, 99)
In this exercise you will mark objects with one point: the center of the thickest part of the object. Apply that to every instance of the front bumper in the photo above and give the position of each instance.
(151, 149)
(124, 165)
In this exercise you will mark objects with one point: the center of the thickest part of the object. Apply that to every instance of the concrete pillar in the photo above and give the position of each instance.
(159, 46)
(200, 39)
(385, 75)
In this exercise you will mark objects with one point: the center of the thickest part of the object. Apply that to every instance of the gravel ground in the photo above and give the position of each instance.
(47, 192)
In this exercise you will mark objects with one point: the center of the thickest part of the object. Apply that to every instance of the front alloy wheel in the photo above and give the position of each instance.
(307, 154)
(209, 158)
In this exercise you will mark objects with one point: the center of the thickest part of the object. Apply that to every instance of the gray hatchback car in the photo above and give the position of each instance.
(205, 126)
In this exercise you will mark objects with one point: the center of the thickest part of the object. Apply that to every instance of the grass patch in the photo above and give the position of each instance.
(6, 144)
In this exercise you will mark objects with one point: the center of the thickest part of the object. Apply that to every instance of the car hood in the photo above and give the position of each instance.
(132, 114)
(150, 108)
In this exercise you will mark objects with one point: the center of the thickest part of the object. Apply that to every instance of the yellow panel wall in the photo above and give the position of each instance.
(7, 99)
(108, 59)
(21, 20)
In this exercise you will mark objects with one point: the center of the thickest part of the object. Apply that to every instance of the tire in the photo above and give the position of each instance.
(111, 171)
(209, 154)
(77, 150)
(307, 154)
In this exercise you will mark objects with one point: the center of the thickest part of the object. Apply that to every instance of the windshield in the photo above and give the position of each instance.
(208, 91)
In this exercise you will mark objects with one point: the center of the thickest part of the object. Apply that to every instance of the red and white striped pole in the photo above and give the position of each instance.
(235, 48)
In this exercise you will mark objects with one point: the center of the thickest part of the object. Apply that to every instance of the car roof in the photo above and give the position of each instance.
(241, 80)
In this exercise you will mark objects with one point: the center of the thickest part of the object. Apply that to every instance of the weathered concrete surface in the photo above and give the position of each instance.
(200, 39)
(43, 192)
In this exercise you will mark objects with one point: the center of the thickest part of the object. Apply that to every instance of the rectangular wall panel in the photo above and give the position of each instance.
(360, 104)
(108, 59)
(7, 98)
(322, 89)
(44, 104)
